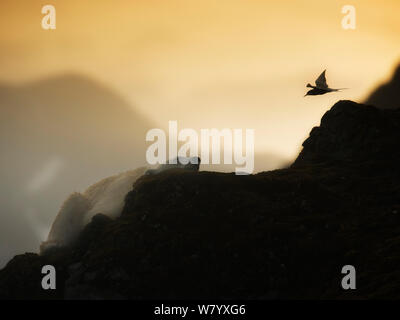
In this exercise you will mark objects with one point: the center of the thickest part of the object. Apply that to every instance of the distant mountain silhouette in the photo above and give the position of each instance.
(58, 135)
(387, 95)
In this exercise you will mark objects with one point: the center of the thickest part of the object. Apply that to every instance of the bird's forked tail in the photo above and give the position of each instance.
(309, 85)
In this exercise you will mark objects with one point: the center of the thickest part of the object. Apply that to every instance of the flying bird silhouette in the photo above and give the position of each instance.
(321, 87)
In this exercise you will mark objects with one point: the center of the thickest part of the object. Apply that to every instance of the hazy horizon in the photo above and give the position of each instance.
(210, 64)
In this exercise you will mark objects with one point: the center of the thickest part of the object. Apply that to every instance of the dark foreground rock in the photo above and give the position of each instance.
(284, 234)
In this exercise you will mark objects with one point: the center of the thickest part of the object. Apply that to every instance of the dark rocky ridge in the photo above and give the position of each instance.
(351, 132)
(387, 95)
(281, 234)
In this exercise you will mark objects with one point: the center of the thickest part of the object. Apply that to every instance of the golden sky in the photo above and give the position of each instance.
(210, 63)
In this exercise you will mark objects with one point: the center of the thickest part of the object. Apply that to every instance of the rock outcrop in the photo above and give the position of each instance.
(106, 196)
(387, 95)
(353, 133)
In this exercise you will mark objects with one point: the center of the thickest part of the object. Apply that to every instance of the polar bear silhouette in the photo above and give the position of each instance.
(186, 163)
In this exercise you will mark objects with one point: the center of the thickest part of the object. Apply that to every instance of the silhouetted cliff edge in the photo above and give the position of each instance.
(279, 234)
(387, 95)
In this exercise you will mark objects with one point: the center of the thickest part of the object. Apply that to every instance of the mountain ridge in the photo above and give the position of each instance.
(282, 234)
(386, 95)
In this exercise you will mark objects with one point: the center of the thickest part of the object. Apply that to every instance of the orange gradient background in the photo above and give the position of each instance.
(208, 63)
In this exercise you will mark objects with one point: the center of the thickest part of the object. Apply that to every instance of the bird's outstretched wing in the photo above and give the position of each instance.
(321, 81)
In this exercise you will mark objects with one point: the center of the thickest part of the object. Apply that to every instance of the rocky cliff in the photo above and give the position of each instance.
(283, 234)
(387, 95)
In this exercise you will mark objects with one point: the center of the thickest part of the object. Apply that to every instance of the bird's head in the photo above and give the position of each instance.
(308, 93)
